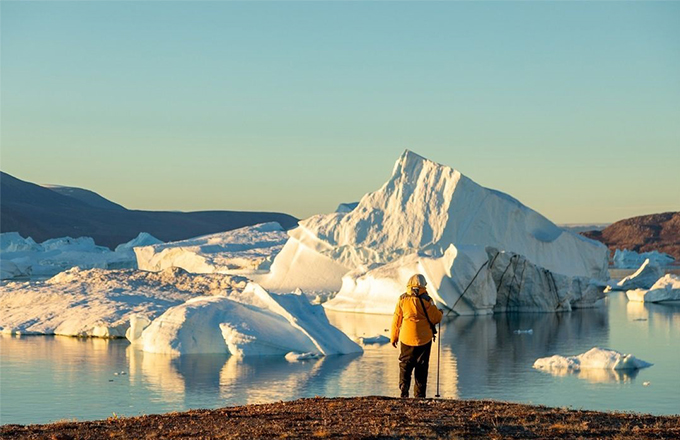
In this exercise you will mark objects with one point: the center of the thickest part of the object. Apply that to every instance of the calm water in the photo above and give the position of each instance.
(45, 379)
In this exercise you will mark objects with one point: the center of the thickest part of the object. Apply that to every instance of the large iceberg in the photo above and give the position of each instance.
(431, 219)
(246, 250)
(100, 303)
(666, 288)
(625, 259)
(23, 257)
(251, 323)
(171, 312)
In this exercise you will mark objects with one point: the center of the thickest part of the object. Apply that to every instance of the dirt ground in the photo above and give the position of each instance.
(364, 417)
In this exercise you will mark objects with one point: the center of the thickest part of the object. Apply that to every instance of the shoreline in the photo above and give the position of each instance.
(364, 417)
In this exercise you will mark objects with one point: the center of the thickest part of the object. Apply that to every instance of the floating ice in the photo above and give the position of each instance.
(11, 270)
(252, 323)
(667, 288)
(13, 242)
(102, 303)
(295, 357)
(524, 332)
(430, 218)
(244, 250)
(625, 259)
(373, 340)
(595, 358)
(643, 278)
(467, 280)
(143, 239)
(59, 254)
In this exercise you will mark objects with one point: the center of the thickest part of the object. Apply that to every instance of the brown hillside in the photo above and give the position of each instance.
(654, 232)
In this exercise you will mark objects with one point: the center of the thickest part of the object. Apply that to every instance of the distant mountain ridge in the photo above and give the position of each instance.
(654, 232)
(85, 195)
(56, 211)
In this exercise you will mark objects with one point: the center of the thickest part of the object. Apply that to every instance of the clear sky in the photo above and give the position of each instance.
(571, 107)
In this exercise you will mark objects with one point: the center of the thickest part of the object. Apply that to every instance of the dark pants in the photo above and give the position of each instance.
(411, 358)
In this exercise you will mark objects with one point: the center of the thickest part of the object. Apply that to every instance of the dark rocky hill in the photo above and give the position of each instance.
(654, 232)
(42, 213)
(85, 195)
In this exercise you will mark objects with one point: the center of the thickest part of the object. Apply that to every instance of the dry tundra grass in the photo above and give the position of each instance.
(365, 417)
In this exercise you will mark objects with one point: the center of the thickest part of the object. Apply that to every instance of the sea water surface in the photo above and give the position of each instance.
(47, 378)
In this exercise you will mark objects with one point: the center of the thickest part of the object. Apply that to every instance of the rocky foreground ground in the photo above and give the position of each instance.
(365, 417)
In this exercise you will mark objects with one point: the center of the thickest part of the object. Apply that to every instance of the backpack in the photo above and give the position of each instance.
(432, 327)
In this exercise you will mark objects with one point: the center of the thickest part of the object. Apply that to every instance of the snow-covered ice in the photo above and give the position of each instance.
(643, 278)
(666, 288)
(595, 358)
(376, 291)
(143, 239)
(10, 270)
(466, 281)
(13, 242)
(59, 254)
(243, 251)
(101, 303)
(431, 219)
(250, 323)
(625, 259)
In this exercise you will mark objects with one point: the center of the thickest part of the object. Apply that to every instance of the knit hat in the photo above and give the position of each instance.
(416, 280)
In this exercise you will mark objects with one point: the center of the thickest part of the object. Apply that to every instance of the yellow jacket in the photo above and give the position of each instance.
(409, 324)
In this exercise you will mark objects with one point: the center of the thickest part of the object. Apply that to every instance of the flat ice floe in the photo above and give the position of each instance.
(667, 288)
(100, 303)
(607, 365)
(625, 259)
(429, 218)
(245, 250)
(23, 257)
(250, 323)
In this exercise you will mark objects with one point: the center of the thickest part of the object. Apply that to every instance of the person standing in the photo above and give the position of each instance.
(414, 326)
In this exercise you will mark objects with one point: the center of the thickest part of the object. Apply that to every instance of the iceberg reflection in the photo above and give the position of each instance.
(595, 375)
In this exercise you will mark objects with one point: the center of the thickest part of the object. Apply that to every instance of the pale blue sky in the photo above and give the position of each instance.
(571, 107)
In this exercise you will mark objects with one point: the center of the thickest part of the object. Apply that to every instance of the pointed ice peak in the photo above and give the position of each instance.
(408, 156)
(427, 205)
(408, 162)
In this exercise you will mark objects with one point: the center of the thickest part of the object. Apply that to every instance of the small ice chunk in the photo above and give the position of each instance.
(374, 340)
(646, 384)
(295, 357)
(524, 332)
(595, 358)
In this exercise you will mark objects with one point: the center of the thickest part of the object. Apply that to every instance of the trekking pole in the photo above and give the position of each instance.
(439, 357)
